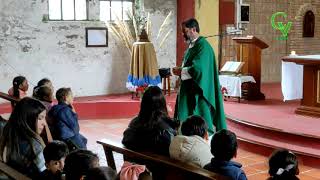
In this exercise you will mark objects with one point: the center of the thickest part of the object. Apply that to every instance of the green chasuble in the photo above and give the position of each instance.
(201, 94)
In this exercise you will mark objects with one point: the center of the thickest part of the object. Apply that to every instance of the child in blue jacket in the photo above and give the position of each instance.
(224, 147)
(64, 121)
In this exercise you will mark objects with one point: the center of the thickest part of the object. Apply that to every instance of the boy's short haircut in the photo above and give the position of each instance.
(224, 145)
(194, 125)
(62, 93)
(78, 163)
(101, 173)
(55, 150)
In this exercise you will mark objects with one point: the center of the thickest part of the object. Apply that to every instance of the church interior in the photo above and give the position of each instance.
(106, 54)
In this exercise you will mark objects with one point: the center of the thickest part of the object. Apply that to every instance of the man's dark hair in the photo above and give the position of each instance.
(62, 93)
(224, 145)
(191, 23)
(55, 150)
(194, 125)
(78, 163)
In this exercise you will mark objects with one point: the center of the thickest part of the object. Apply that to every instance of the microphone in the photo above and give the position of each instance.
(217, 35)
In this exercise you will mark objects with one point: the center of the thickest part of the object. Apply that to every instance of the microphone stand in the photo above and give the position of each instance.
(220, 36)
(219, 46)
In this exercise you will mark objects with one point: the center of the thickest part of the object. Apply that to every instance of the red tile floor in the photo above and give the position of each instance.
(254, 165)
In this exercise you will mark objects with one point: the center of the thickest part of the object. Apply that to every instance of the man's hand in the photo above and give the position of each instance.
(177, 71)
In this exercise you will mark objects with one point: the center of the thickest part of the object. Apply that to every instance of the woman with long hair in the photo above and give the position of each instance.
(153, 129)
(21, 146)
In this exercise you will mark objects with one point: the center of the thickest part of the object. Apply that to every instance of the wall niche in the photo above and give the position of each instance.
(308, 24)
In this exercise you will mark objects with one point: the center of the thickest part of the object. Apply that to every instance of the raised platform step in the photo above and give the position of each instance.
(106, 106)
(306, 146)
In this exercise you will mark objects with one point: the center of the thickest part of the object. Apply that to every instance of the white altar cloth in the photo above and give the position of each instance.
(291, 81)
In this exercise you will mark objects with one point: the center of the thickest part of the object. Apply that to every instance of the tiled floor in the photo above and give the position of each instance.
(254, 165)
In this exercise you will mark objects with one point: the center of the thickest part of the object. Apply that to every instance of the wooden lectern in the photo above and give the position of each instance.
(310, 103)
(249, 51)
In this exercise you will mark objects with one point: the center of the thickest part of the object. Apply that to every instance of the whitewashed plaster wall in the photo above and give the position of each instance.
(56, 50)
(159, 9)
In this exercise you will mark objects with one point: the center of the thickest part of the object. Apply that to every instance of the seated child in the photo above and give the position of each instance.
(101, 173)
(64, 125)
(192, 146)
(44, 82)
(19, 88)
(283, 165)
(54, 154)
(78, 163)
(45, 95)
(224, 147)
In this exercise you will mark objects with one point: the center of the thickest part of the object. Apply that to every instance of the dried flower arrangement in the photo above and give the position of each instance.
(128, 31)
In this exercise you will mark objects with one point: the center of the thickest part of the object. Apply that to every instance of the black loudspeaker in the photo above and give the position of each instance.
(163, 72)
(244, 13)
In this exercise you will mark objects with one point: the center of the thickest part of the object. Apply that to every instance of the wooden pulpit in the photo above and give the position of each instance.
(249, 51)
(310, 103)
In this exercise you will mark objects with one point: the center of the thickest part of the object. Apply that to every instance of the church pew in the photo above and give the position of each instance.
(159, 165)
(8, 97)
(11, 173)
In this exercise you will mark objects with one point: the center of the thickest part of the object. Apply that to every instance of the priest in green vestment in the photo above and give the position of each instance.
(199, 92)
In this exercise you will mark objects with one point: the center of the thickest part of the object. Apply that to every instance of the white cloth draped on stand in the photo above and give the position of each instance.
(233, 83)
(291, 81)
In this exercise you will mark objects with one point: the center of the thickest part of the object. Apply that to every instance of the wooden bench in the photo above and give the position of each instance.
(11, 173)
(166, 167)
(8, 97)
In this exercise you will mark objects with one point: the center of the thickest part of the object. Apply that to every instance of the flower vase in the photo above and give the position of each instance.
(143, 37)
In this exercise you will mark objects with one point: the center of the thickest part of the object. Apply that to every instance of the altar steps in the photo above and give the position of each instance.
(255, 136)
